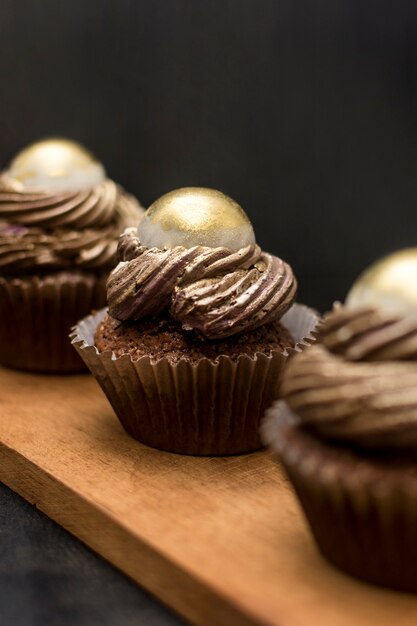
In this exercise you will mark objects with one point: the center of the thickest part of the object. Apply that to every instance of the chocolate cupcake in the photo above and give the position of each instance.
(347, 431)
(200, 324)
(60, 219)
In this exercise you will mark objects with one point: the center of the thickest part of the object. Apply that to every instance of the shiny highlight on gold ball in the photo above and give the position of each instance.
(193, 216)
(390, 284)
(58, 164)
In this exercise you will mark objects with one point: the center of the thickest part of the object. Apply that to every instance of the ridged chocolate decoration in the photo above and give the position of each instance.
(366, 404)
(366, 334)
(49, 231)
(215, 291)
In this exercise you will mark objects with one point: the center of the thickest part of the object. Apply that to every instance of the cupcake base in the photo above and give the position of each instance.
(362, 509)
(204, 406)
(36, 315)
(161, 337)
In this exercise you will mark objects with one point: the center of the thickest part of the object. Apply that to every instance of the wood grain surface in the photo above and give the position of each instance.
(220, 540)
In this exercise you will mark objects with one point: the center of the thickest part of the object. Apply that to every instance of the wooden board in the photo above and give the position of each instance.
(222, 541)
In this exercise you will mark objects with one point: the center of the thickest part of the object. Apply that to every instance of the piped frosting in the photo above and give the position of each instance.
(369, 334)
(217, 292)
(371, 405)
(53, 230)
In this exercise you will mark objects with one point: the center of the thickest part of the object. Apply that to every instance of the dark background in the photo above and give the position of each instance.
(303, 111)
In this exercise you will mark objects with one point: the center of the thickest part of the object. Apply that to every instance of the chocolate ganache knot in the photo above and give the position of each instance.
(217, 292)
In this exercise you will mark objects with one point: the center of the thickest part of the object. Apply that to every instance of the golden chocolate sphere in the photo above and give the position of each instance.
(193, 216)
(389, 284)
(58, 164)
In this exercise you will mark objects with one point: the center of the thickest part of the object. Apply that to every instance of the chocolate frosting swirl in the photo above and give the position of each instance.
(372, 405)
(365, 334)
(44, 231)
(214, 291)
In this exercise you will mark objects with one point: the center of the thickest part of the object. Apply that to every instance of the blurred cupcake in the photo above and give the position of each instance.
(200, 325)
(347, 431)
(60, 219)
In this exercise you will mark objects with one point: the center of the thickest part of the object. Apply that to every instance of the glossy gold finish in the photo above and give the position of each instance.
(390, 283)
(194, 216)
(196, 209)
(55, 163)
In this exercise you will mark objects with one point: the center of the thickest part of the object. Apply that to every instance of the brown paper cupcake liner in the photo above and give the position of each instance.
(363, 514)
(36, 315)
(208, 408)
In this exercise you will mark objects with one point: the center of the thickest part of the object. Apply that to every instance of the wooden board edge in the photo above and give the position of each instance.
(189, 597)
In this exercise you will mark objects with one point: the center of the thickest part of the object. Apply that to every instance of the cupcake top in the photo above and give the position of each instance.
(194, 254)
(360, 385)
(58, 210)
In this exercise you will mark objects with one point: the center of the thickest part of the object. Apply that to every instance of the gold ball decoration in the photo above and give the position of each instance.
(58, 164)
(389, 284)
(193, 216)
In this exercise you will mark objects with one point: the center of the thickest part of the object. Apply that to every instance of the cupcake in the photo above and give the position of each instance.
(60, 219)
(199, 326)
(346, 429)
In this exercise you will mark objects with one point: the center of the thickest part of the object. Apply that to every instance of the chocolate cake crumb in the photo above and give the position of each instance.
(162, 337)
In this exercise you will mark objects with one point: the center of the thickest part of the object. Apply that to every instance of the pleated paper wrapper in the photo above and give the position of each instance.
(36, 315)
(363, 518)
(208, 408)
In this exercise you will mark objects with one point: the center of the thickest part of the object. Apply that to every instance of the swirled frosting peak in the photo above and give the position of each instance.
(360, 385)
(50, 229)
(372, 405)
(216, 291)
(370, 334)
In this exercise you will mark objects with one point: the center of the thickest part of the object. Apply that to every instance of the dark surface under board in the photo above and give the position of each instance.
(49, 578)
